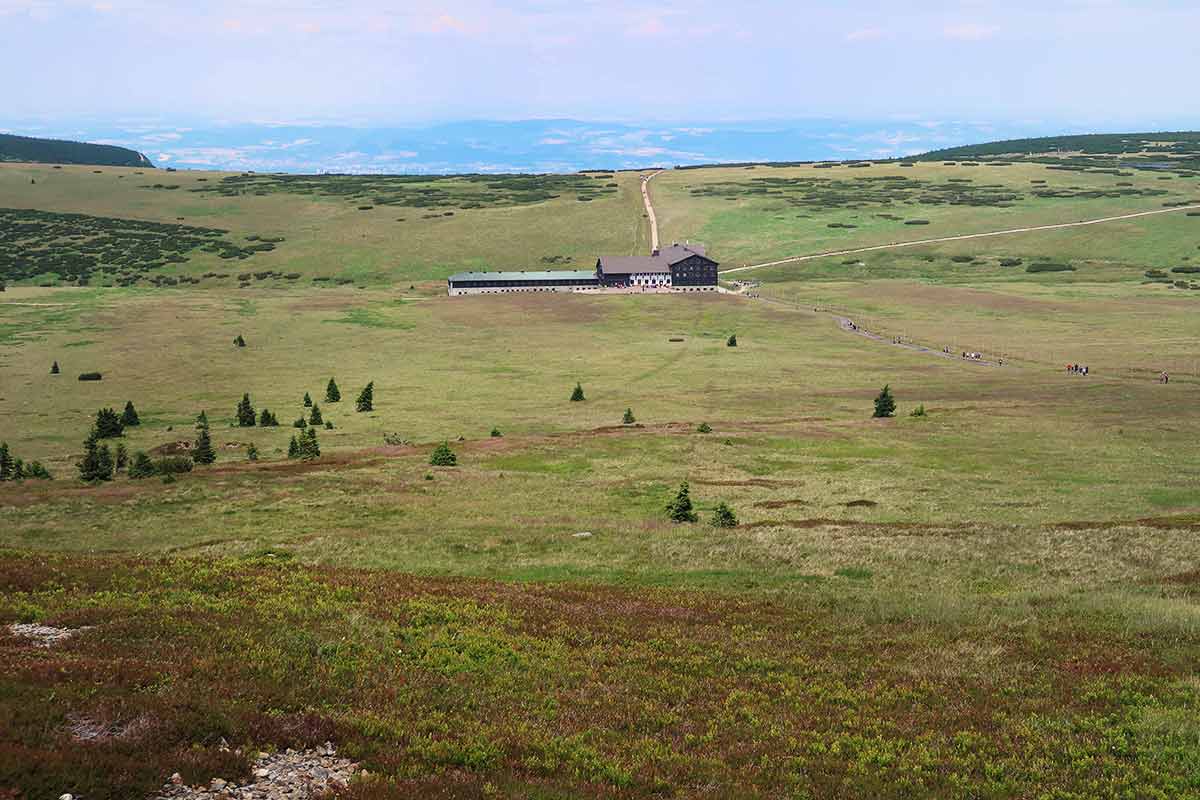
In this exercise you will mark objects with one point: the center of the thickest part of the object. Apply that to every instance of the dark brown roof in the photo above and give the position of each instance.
(661, 263)
(626, 265)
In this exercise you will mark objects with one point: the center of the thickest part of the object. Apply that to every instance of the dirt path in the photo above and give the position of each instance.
(849, 326)
(894, 245)
(650, 210)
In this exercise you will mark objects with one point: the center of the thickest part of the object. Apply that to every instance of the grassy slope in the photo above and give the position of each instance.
(1018, 610)
(329, 236)
(750, 229)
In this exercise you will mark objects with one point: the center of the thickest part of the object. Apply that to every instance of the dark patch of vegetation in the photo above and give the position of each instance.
(77, 247)
(90, 376)
(417, 191)
(1049, 266)
(59, 151)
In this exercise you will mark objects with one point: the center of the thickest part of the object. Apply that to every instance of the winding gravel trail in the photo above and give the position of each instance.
(650, 210)
(894, 245)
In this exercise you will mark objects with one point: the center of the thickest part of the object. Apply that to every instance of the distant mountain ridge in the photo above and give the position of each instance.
(60, 151)
(1177, 143)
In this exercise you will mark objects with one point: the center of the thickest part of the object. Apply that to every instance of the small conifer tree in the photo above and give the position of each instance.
(35, 470)
(627, 418)
(245, 412)
(300, 423)
(731, 341)
(6, 463)
(267, 420)
(239, 341)
(443, 456)
(308, 446)
(723, 516)
(332, 393)
(314, 417)
(141, 466)
(577, 394)
(54, 370)
(496, 434)
(108, 424)
(919, 411)
(328, 424)
(202, 451)
(704, 427)
(129, 417)
(885, 404)
(252, 453)
(307, 401)
(293, 448)
(121, 458)
(366, 398)
(680, 508)
(96, 464)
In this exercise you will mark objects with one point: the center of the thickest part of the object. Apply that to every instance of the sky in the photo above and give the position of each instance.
(416, 61)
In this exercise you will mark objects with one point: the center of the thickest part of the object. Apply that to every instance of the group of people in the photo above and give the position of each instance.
(1076, 369)
(973, 356)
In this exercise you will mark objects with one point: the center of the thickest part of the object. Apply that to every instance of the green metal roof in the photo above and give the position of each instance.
(534, 275)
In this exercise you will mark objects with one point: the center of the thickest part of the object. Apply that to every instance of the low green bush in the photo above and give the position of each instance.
(1045, 266)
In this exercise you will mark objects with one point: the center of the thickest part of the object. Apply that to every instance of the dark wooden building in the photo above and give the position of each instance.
(680, 266)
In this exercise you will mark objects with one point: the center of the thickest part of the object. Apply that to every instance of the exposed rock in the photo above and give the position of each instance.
(42, 635)
(295, 775)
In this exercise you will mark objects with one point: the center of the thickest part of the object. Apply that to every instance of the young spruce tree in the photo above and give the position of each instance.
(366, 398)
(96, 464)
(332, 393)
(731, 341)
(885, 404)
(108, 424)
(6, 463)
(308, 446)
(141, 466)
(202, 452)
(680, 508)
(314, 417)
(443, 456)
(307, 400)
(577, 394)
(245, 412)
(54, 370)
(628, 419)
(129, 417)
(723, 516)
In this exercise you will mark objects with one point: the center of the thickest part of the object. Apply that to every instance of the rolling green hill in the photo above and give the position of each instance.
(1179, 143)
(59, 151)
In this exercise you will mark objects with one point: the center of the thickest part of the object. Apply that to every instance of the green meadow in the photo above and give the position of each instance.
(995, 599)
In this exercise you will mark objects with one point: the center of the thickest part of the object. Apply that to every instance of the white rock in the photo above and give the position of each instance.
(583, 535)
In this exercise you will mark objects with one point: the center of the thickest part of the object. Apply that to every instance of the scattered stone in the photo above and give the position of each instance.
(583, 535)
(42, 635)
(296, 775)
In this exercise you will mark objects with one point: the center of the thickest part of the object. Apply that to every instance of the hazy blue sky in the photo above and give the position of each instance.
(375, 62)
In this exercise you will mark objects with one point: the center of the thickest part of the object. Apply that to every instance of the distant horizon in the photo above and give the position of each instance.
(554, 144)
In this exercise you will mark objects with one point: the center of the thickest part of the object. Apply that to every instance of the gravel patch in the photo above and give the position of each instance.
(289, 775)
(42, 635)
